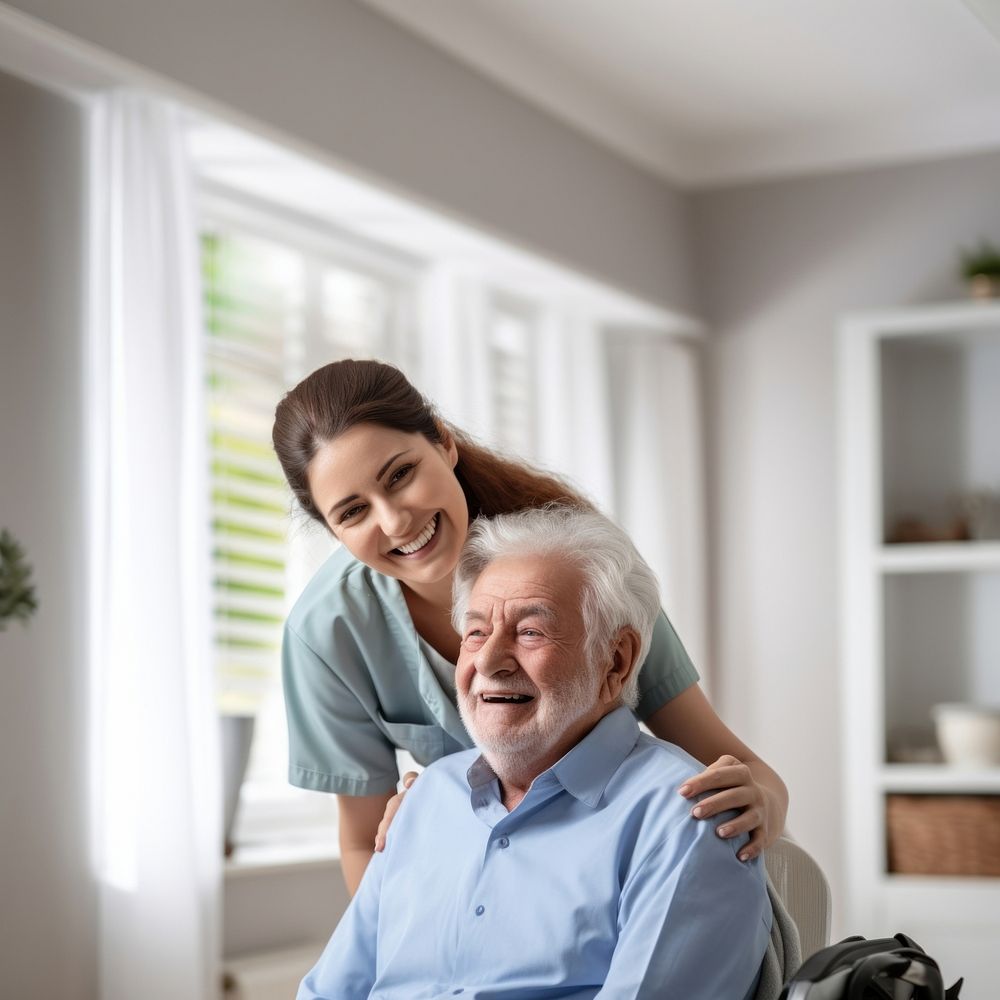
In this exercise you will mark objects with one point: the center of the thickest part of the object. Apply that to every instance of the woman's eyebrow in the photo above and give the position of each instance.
(341, 503)
(378, 476)
(381, 472)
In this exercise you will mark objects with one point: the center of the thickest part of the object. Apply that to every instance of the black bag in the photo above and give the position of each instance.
(895, 968)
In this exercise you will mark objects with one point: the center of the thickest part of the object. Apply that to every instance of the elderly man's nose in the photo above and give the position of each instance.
(494, 657)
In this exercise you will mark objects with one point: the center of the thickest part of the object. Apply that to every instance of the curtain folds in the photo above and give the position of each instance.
(659, 474)
(155, 744)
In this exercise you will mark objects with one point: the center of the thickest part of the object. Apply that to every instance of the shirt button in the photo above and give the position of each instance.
(480, 910)
(504, 842)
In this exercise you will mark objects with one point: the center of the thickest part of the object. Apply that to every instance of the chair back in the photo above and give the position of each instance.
(804, 890)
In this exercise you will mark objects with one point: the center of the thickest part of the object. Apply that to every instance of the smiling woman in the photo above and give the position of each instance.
(369, 651)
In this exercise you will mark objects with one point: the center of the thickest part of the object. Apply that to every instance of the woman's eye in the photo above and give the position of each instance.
(531, 633)
(400, 474)
(351, 513)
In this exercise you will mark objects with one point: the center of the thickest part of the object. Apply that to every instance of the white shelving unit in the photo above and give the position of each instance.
(920, 430)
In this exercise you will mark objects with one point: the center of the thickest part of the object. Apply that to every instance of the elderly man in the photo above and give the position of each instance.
(557, 859)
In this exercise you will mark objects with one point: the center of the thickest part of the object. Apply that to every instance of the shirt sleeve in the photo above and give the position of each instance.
(334, 745)
(347, 968)
(666, 671)
(694, 921)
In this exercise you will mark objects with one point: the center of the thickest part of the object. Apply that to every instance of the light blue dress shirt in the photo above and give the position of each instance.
(599, 883)
(359, 682)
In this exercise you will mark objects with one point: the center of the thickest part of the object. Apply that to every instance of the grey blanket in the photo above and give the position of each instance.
(783, 955)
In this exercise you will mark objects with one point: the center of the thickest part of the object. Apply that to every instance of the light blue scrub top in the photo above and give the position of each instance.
(599, 884)
(360, 682)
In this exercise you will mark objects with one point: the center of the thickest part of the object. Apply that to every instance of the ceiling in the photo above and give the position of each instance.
(712, 92)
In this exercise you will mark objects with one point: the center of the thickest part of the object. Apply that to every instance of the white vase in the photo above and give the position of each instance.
(237, 737)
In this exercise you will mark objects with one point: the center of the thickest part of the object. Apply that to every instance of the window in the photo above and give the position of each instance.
(253, 308)
(279, 300)
(304, 265)
(511, 332)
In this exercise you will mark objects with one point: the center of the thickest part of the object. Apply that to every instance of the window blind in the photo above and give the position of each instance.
(276, 306)
(254, 309)
(512, 386)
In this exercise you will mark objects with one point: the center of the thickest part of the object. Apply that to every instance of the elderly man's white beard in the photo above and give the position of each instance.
(511, 748)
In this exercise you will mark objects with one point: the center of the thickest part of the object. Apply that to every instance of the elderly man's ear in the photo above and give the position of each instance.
(624, 654)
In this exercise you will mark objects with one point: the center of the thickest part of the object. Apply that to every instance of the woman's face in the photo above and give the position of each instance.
(394, 501)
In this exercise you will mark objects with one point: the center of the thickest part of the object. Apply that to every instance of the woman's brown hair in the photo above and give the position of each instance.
(340, 395)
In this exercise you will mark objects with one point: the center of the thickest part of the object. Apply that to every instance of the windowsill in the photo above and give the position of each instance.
(254, 859)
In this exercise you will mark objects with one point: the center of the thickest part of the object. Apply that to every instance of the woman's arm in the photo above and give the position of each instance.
(740, 779)
(358, 818)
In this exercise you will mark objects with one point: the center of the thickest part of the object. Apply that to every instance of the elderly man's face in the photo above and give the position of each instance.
(524, 684)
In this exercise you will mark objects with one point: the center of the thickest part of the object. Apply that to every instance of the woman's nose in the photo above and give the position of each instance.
(396, 522)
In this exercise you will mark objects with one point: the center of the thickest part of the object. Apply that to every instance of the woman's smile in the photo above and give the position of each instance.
(422, 541)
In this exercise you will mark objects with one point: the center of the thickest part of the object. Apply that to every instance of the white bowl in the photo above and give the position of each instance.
(969, 735)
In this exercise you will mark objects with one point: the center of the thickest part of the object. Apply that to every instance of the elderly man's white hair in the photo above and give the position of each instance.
(620, 590)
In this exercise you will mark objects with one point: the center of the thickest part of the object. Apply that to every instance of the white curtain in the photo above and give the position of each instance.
(659, 471)
(570, 386)
(455, 372)
(575, 429)
(155, 747)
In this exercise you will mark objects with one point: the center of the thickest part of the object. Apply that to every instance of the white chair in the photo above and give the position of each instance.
(804, 890)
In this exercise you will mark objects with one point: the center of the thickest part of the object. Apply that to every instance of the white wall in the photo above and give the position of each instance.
(278, 909)
(778, 264)
(48, 941)
(344, 80)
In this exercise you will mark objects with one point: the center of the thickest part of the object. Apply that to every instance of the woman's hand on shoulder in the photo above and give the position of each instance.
(738, 779)
(391, 808)
(728, 784)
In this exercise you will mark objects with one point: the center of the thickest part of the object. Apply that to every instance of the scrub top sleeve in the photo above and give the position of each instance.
(334, 744)
(666, 671)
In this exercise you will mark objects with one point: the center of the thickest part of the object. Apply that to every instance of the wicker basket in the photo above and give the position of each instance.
(944, 834)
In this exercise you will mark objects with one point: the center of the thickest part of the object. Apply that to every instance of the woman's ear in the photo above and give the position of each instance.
(624, 654)
(448, 443)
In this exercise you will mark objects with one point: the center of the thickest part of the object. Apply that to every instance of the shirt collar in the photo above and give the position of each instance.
(586, 769)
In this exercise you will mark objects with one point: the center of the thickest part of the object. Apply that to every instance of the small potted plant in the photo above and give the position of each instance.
(17, 594)
(981, 269)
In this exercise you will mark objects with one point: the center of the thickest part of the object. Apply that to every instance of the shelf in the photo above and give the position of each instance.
(967, 899)
(939, 779)
(939, 557)
(950, 319)
(919, 405)
(268, 859)
(944, 885)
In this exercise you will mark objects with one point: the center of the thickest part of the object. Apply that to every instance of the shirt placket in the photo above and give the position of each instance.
(482, 922)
